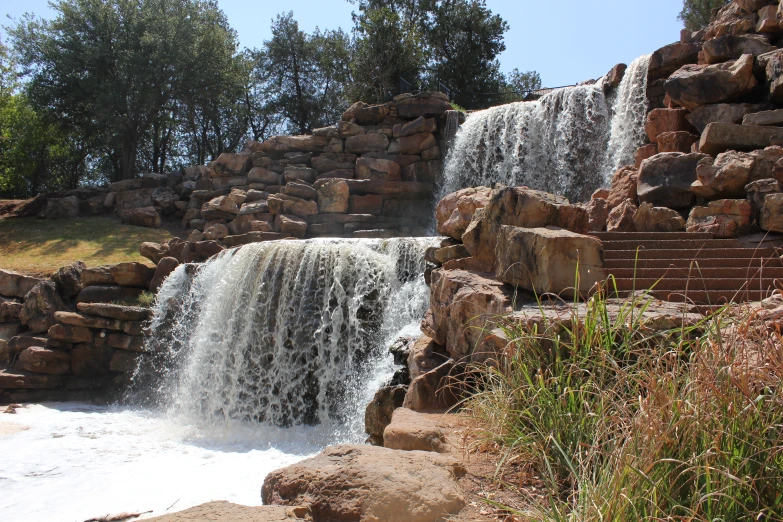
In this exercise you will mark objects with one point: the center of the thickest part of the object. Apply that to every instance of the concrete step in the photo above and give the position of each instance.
(688, 253)
(701, 297)
(698, 272)
(630, 263)
(697, 283)
(646, 236)
(659, 244)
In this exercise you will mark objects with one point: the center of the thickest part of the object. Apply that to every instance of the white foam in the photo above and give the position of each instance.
(76, 461)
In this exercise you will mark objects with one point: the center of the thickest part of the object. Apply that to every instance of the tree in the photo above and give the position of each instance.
(523, 82)
(303, 76)
(109, 69)
(386, 46)
(696, 14)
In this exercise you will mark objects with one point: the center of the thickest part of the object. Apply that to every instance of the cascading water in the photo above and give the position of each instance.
(285, 333)
(569, 142)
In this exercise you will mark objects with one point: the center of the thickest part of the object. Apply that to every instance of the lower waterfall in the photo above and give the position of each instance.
(569, 142)
(284, 333)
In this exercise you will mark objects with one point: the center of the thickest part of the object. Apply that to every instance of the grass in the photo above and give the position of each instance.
(40, 247)
(621, 423)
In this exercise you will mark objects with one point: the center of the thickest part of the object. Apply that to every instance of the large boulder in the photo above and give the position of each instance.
(40, 305)
(731, 47)
(433, 390)
(62, 208)
(415, 431)
(14, 284)
(37, 359)
(154, 251)
(724, 218)
(695, 85)
(768, 164)
(222, 511)
(414, 144)
(141, 217)
(69, 279)
(372, 168)
(283, 204)
(352, 482)
(282, 144)
(291, 225)
(720, 137)
(598, 214)
(455, 211)
(702, 116)
(620, 218)
(549, 260)
(668, 59)
(657, 219)
(660, 121)
(772, 214)
(665, 179)
(680, 141)
(756, 192)
(132, 274)
(165, 267)
(378, 413)
(726, 177)
(366, 143)
(623, 186)
(333, 197)
(422, 104)
(228, 165)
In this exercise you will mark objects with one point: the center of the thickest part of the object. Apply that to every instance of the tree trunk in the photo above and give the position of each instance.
(128, 163)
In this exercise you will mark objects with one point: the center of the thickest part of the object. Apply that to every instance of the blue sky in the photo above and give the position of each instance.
(566, 41)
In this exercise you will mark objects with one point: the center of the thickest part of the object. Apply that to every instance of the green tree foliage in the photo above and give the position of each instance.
(303, 76)
(117, 72)
(696, 14)
(523, 82)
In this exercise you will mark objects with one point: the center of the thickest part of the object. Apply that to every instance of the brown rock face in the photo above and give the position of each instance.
(725, 178)
(598, 214)
(623, 186)
(132, 274)
(621, 217)
(657, 219)
(282, 204)
(366, 143)
(724, 218)
(40, 305)
(665, 179)
(42, 360)
(702, 116)
(294, 144)
(88, 360)
(378, 413)
(165, 267)
(333, 197)
(731, 47)
(291, 225)
(222, 511)
(13, 284)
(695, 85)
(69, 279)
(352, 483)
(668, 59)
(413, 144)
(548, 260)
(660, 121)
(455, 211)
(423, 104)
(772, 214)
(154, 251)
(141, 217)
(12, 380)
(720, 137)
(414, 431)
(70, 334)
(229, 164)
(369, 204)
(371, 168)
(676, 141)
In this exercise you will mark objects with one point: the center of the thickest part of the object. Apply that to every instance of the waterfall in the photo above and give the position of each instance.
(284, 333)
(569, 142)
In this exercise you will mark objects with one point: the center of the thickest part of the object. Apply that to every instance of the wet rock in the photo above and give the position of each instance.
(252, 237)
(124, 362)
(88, 360)
(695, 85)
(165, 267)
(206, 249)
(378, 413)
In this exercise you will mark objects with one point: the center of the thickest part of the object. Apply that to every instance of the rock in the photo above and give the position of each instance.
(600, 193)
(695, 85)
(415, 431)
(665, 179)
(732, 19)
(87, 321)
(309, 143)
(141, 217)
(259, 207)
(620, 218)
(668, 59)
(252, 237)
(371, 115)
(455, 211)
(724, 218)
(300, 190)
(764, 118)
(165, 198)
(333, 197)
(88, 360)
(519, 207)
(222, 207)
(216, 231)
(68, 279)
(657, 219)
(37, 359)
(70, 334)
(413, 144)
(99, 275)
(425, 355)
(702, 116)
(333, 161)
(14, 284)
(615, 76)
(731, 47)
(114, 311)
(256, 195)
(124, 362)
(757, 191)
(420, 124)
(299, 173)
(10, 311)
(378, 413)
(108, 294)
(720, 137)
(598, 214)
(9, 330)
(206, 249)
(725, 178)
(346, 128)
(132, 274)
(165, 267)
(366, 143)
(623, 186)
(433, 390)
(771, 218)
(394, 189)
(661, 121)
(766, 163)
(768, 20)
(154, 251)
(40, 305)
(262, 175)
(422, 104)
(25, 381)
(644, 152)
(282, 204)
(676, 141)
(229, 164)
(291, 225)
(369, 204)
(545, 260)
(369, 168)
(222, 511)
(62, 208)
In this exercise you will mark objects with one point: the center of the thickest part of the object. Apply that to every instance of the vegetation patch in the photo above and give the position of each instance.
(40, 247)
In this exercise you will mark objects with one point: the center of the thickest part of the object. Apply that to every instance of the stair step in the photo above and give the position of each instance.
(688, 253)
(614, 264)
(659, 244)
(698, 272)
(702, 297)
(645, 236)
(697, 283)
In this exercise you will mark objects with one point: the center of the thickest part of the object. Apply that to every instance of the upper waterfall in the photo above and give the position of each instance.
(285, 332)
(569, 142)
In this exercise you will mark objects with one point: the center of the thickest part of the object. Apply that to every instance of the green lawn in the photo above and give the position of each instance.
(39, 246)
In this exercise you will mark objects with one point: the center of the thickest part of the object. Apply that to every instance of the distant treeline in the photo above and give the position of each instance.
(110, 88)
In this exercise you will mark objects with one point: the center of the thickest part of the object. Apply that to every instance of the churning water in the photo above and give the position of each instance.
(569, 142)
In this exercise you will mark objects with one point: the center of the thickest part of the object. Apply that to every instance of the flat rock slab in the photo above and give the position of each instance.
(223, 511)
(113, 311)
(370, 484)
(418, 431)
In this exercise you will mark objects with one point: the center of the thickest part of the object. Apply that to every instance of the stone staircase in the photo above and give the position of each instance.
(691, 267)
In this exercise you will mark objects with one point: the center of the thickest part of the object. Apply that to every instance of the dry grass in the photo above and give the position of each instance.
(38, 246)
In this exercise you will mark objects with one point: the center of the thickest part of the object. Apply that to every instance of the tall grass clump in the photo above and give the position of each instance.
(625, 422)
